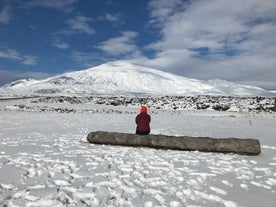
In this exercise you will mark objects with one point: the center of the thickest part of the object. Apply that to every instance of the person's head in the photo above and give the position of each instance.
(144, 109)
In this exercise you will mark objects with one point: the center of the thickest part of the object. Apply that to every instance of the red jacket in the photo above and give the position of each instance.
(143, 122)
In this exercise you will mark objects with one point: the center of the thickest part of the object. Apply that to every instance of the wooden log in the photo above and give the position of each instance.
(204, 144)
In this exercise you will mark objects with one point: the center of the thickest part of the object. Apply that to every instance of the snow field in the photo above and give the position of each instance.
(45, 160)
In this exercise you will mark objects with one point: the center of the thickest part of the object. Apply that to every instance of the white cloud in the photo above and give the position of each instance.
(160, 10)
(110, 17)
(60, 44)
(80, 23)
(29, 60)
(14, 55)
(7, 76)
(64, 5)
(119, 45)
(238, 39)
(32, 27)
(82, 56)
(87, 59)
(10, 54)
(5, 16)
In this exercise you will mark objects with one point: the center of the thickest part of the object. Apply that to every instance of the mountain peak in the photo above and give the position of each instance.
(121, 77)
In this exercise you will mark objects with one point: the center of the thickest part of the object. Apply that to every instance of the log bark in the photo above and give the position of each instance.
(204, 144)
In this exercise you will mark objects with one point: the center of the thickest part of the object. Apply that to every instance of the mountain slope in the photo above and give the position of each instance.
(126, 78)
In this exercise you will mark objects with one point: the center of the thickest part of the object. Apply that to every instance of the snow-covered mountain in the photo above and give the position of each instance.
(121, 77)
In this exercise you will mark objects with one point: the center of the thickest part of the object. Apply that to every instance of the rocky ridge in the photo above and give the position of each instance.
(121, 104)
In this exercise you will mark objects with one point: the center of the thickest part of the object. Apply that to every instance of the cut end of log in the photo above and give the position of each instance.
(203, 144)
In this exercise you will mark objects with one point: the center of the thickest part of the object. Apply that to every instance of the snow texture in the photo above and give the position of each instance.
(45, 159)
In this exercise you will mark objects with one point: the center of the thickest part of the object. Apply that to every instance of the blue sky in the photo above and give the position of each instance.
(202, 39)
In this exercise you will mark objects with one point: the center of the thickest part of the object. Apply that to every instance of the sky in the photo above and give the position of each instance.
(201, 39)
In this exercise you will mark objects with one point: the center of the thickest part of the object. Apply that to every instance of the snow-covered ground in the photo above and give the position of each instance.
(45, 159)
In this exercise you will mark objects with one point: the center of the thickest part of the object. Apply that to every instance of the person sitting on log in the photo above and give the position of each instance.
(143, 122)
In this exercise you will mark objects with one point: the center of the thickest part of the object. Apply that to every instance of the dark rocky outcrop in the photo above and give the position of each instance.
(177, 103)
(205, 144)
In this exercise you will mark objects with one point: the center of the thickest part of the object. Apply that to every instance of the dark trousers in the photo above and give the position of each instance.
(142, 133)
